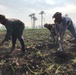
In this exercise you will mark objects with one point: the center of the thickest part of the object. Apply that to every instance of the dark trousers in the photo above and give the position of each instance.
(18, 35)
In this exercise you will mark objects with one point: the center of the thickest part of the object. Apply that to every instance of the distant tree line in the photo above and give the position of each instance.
(33, 21)
(34, 18)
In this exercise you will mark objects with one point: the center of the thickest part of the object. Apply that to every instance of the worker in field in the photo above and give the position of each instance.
(52, 29)
(14, 29)
(62, 24)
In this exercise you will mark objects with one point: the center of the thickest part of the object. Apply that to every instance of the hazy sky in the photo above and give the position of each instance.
(22, 8)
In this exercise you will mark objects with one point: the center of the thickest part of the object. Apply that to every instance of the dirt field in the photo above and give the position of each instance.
(41, 56)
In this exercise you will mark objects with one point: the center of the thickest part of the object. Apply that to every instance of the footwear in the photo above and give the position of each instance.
(23, 52)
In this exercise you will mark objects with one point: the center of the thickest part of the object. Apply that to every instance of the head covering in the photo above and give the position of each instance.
(57, 14)
(2, 17)
(58, 17)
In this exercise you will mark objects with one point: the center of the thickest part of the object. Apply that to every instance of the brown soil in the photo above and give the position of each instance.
(41, 56)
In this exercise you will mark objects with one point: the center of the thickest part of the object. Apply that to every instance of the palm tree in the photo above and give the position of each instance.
(66, 14)
(41, 13)
(33, 19)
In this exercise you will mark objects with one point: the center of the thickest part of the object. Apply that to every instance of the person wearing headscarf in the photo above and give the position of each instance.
(63, 23)
(14, 29)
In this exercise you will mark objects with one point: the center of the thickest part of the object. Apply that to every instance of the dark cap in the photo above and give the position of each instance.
(2, 16)
(57, 14)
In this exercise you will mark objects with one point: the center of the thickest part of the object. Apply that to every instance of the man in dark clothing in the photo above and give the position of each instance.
(52, 29)
(14, 29)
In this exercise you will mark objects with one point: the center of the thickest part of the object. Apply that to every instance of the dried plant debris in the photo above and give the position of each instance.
(41, 56)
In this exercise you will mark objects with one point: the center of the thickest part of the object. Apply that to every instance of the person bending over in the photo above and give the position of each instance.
(14, 29)
(52, 29)
(62, 24)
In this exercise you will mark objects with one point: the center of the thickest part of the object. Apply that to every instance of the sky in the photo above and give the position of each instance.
(21, 9)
